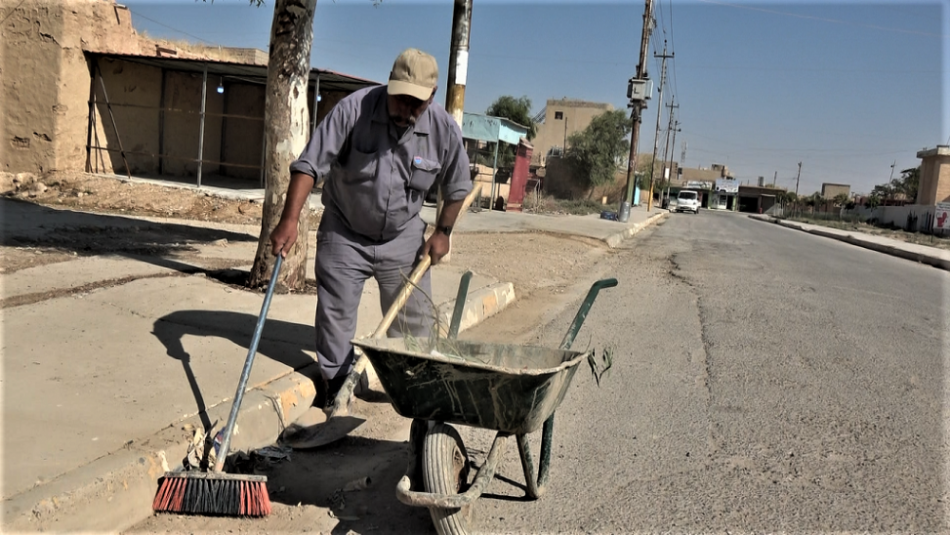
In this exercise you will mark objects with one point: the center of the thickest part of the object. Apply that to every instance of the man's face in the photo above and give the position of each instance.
(404, 110)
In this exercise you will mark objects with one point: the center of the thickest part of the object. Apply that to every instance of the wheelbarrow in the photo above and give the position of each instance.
(510, 389)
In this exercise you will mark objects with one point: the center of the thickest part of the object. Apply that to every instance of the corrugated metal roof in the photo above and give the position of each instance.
(329, 80)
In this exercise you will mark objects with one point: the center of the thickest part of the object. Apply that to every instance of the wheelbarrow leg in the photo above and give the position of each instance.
(535, 485)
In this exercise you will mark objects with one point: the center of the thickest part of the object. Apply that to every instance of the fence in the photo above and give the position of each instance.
(909, 218)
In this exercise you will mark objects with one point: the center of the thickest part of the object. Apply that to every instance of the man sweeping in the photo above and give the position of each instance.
(378, 151)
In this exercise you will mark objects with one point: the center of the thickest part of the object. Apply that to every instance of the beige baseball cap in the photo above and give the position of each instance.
(414, 73)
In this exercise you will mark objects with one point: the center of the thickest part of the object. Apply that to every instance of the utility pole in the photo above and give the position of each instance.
(774, 179)
(458, 59)
(656, 135)
(638, 107)
(676, 128)
(798, 178)
(666, 149)
(457, 75)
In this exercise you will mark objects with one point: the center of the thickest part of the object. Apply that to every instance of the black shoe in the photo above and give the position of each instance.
(331, 388)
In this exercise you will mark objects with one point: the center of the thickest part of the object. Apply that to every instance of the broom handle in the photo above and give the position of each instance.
(347, 389)
(245, 374)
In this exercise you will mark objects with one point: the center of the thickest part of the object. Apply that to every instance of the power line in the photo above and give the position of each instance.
(171, 28)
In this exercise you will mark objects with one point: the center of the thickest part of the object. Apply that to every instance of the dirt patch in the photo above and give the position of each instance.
(531, 261)
(95, 193)
(100, 224)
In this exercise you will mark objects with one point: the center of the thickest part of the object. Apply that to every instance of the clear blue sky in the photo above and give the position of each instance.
(847, 88)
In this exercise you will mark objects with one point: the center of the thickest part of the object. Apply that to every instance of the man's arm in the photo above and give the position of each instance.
(285, 233)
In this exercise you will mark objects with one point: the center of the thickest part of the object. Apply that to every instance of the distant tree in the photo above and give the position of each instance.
(910, 183)
(513, 109)
(644, 163)
(593, 153)
(841, 199)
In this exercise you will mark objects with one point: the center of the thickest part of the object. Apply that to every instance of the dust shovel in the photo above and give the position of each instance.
(341, 421)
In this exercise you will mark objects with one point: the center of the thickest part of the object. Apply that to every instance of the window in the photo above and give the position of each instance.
(558, 115)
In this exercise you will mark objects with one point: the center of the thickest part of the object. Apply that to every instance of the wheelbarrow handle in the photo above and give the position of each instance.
(585, 308)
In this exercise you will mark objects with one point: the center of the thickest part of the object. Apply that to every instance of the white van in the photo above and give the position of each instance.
(687, 201)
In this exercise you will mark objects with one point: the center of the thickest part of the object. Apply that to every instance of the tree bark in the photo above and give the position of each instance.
(286, 126)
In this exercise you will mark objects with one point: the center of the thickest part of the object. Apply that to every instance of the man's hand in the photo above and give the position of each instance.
(284, 236)
(436, 247)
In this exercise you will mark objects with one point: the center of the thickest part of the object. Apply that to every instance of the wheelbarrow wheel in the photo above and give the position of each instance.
(444, 471)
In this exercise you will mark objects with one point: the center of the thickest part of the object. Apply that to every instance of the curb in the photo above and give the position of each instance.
(121, 485)
(900, 252)
(618, 238)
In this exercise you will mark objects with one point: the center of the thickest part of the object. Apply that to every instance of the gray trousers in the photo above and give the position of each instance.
(345, 260)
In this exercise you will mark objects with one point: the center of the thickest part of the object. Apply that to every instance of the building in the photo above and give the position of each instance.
(830, 191)
(560, 119)
(934, 176)
(700, 179)
(83, 91)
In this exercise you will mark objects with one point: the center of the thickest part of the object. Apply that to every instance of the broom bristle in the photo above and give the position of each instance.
(212, 494)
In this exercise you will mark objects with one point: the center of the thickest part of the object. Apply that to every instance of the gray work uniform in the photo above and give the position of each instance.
(375, 183)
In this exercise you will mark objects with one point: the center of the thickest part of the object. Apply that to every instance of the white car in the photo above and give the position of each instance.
(687, 201)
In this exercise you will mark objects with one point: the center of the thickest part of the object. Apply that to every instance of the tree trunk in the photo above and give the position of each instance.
(286, 127)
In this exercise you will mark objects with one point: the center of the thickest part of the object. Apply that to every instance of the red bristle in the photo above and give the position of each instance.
(159, 496)
(178, 495)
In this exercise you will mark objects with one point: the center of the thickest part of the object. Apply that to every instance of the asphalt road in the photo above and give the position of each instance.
(763, 380)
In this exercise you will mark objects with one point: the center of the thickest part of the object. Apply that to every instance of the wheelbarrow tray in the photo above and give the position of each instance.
(508, 388)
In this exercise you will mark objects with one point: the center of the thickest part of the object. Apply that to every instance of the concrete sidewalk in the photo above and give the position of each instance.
(933, 256)
(113, 354)
(611, 233)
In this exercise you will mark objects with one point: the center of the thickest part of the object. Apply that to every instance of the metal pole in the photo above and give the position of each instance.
(798, 178)
(638, 107)
(201, 124)
(676, 128)
(666, 149)
(161, 126)
(118, 139)
(92, 112)
(494, 171)
(656, 135)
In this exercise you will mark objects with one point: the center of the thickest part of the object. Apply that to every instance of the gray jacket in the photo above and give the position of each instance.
(375, 181)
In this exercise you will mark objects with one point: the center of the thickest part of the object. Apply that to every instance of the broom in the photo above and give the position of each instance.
(218, 493)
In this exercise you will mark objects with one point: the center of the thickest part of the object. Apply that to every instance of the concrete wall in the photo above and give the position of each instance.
(934, 175)
(576, 116)
(941, 170)
(44, 91)
(896, 215)
(31, 55)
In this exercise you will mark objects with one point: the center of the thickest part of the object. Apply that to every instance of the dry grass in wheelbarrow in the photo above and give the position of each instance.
(438, 345)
